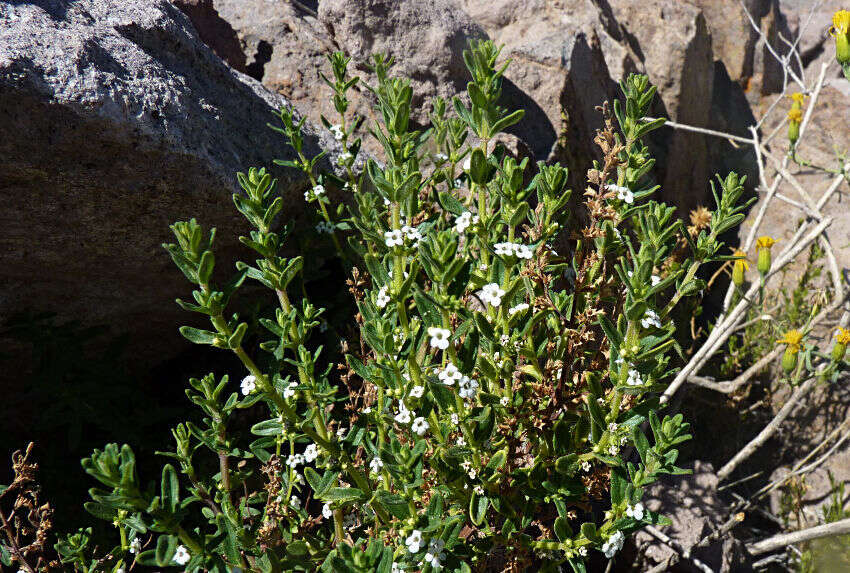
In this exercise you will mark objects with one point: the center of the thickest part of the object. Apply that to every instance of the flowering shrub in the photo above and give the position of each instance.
(490, 409)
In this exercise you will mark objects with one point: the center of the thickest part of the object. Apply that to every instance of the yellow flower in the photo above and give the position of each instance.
(795, 115)
(842, 336)
(793, 339)
(798, 98)
(840, 23)
(765, 242)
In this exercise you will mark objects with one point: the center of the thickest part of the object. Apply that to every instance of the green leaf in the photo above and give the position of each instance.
(478, 508)
(393, 503)
(198, 336)
(170, 489)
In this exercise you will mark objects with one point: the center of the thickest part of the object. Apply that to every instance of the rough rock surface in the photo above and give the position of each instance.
(116, 120)
(693, 505)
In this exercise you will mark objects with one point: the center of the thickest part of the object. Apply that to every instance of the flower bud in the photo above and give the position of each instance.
(789, 360)
(763, 244)
(795, 118)
(842, 339)
(838, 352)
(739, 268)
(839, 31)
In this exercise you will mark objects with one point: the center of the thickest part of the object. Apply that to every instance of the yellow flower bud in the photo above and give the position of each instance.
(839, 31)
(795, 118)
(763, 244)
(789, 361)
(739, 268)
(842, 339)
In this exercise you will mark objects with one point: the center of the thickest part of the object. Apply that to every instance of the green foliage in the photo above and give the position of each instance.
(492, 387)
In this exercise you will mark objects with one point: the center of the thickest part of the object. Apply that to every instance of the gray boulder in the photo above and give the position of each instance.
(116, 120)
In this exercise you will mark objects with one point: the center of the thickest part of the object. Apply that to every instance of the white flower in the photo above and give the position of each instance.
(435, 555)
(492, 294)
(613, 545)
(439, 337)
(182, 555)
(518, 308)
(327, 512)
(336, 131)
(376, 465)
(397, 568)
(393, 238)
(440, 157)
(461, 441)
(295, 460)
(344, 159)
(386, 202)
(585, 465)
(403, 415)
(294, 502)
(383, 299)
(290, 391)
(314, 193)
(582, 551)
(311, 453)
(412, 234)
(623, 193)
(504, 401)
(650, 319)
(449, 375)
(478, 489)
(135, 545)
(467, 162)
(635, 511)
(655, 279)
(324, 227)
(367, 410)
(420, 426)
(464, 220)
(454, 419)
(249, 383)
(414, 541)
(417, 391)
(634, 378)
(613, 449)
(467, 387)
(523, 252)
(503, 249)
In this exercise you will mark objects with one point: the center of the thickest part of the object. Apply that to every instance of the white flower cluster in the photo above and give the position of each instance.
(635, 511)
(518, 308)
(467, 387)
(290, 390)
(376, 465)
(517, 250)
(613, 545)
(624, 194)
(441, 157)
(439, 337)
(383, 298)
(249, 384)
(464, 220)
(650, 319)
(314, 193)
(324, 227)
(403, 416)
(336, 131)
(344, 159)
(492, 294)
(634, 378)
(435, 555)
(396, 238)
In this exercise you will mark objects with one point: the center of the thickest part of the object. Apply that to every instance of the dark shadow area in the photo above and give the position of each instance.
(215, 32)
(56, 9)
(257, 68)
